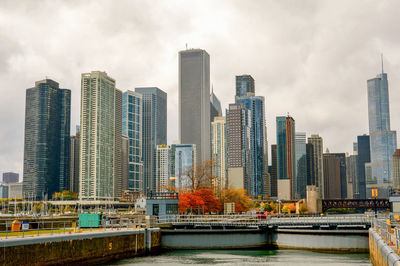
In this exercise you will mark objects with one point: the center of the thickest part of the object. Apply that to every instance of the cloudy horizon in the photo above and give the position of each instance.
(311, 59)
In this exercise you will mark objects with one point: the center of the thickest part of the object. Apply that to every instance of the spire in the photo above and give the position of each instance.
(382, 62)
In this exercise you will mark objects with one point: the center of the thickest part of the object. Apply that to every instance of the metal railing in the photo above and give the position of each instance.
(265, 220)
(21, 229)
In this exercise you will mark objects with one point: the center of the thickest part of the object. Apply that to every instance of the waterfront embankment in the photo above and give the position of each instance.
(79, 248)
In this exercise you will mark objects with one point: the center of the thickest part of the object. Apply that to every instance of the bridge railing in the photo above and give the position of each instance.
(263, 219)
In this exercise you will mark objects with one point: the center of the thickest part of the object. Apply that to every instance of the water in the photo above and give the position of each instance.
(247, 257)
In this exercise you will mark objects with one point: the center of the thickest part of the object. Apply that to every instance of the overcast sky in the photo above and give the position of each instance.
(308, 58)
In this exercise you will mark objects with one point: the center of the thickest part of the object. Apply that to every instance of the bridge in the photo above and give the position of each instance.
(262, 221)
(355, 203)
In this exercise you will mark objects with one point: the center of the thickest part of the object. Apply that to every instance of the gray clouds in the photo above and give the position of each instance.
(309, 58)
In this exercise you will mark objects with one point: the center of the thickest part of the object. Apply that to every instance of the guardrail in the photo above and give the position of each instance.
(265, 220)
(21, 229)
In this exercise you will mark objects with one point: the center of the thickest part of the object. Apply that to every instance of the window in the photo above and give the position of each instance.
(172, 208)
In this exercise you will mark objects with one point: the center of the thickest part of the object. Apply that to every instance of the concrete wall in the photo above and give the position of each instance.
(380, 253)
(214, 239)
(79, 248)
(322, 240)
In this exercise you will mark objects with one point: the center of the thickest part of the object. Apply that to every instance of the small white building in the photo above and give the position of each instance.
(140, 204)
(14, 190)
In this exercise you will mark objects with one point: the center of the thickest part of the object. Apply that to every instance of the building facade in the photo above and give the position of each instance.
(183, 165)
(10, 177)
(382, 140)
(318, 163)
(352, 176)
(97, 145)
(215, 107)
(364, 157)
(194, 101)
(238, 129)
(300, 180)
(332, 181)
(274, 171)
(74, 160)
(163, 168)
(286, 153)
(258, 142)
(244, 84)
(47, 140)
(396, 170)
(218, 152)
(154, 132)
(132, 128)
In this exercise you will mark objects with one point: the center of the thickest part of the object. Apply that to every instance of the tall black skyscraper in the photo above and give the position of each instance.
(47, 139)
(364, 156)
(310, 165)
(274, 171)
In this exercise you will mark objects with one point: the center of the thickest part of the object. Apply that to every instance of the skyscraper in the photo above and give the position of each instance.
(258, 139)
(310, 165)
(318, 164)
(74, 161)
(154, 131)
(332, 181)
(238, 129)
(97, 147)
(244, 85)
(218, 151)
(300, 180)
(215, 107)
(118, 144)
(47, 139)
(286, 151)
(183, 161)
(163, 167)
(132, 128)
(273, 171)
(10, 177)
(343, 179)
(194, 101)
(364, 157)
(352, 176)
(382, 140)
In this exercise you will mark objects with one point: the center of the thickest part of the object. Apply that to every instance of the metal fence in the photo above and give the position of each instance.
(21, 229)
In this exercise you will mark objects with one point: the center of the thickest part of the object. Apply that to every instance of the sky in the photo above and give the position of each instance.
(310, 59)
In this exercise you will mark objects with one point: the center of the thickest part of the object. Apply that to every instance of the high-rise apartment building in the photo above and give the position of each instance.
(98, 130)
(382, 140)
(332, 181)
(318, 164)
(74, 160)
(258, 139)
(300, 180)
(238, 129)
(118, 144)
(154, 131)
(244, 85)
(132, 128)
(10, 177)
(194, 101)
(218, 151)
(47, 140)
(183, 165)
(286, 151)
(163, 167)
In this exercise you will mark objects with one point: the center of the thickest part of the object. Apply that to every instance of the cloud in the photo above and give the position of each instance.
(309, 58)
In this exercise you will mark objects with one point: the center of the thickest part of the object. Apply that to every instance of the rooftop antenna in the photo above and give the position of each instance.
(382, 61)
(186, 46)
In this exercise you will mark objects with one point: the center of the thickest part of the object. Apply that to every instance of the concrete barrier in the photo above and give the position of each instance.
(79, 248)
(380, 253)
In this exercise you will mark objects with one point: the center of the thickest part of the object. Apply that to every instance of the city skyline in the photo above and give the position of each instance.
(336, 81)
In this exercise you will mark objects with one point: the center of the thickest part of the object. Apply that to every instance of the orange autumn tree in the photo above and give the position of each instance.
(238, 196)
(199, 201)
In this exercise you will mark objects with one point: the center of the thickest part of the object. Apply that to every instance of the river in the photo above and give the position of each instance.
(246, 257)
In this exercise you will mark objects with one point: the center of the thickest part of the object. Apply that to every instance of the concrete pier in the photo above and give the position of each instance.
(380, 253)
